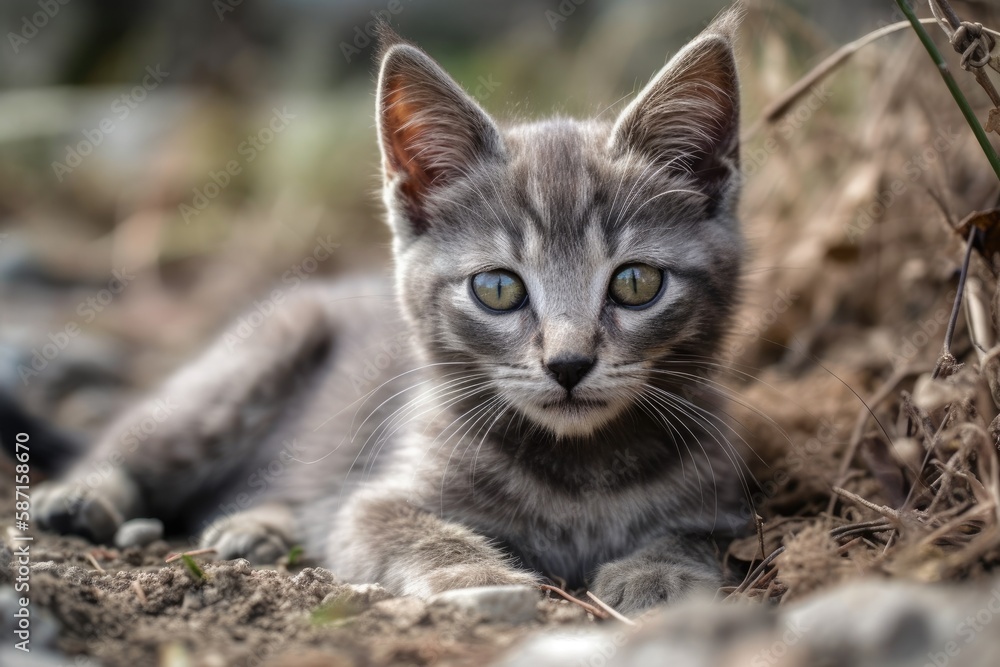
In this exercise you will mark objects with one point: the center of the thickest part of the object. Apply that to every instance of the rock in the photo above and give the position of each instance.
(138, 533)
(565, 647)
(495, 604)
(356, 597)
(900, 623)
(872, 623)
(403, 613)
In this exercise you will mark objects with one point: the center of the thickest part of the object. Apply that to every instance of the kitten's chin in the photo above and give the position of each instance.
(572, 417)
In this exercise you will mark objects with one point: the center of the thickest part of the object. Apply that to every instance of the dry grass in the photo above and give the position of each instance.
(843, 366)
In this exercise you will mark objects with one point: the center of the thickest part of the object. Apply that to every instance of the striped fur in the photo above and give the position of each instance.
(461, 461)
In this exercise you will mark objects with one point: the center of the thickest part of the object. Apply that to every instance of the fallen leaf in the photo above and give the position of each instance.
(988, 222)
(993, 122)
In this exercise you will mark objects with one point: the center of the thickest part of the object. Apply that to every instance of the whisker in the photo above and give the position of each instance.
(705, 417)
(400, 418)
(463, 393)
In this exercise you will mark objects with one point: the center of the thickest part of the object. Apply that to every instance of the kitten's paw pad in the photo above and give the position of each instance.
(632, 588)
(246, 537)
(69, 508)
(475, 575)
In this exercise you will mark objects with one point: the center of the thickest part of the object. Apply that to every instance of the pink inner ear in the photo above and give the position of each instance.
(402, 132)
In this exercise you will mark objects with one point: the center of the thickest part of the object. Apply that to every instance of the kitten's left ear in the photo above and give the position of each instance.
(688, 116)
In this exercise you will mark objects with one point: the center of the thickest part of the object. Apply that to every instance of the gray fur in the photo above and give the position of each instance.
(437, 451)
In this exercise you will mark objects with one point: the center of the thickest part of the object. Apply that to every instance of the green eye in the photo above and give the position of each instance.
(635, 285)
(499, 290)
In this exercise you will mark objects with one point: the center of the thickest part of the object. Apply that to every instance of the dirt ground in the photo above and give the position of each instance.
(137, 610)
(866, 461)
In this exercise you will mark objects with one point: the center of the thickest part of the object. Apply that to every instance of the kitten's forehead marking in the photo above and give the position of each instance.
(564, 237)
(556, 180)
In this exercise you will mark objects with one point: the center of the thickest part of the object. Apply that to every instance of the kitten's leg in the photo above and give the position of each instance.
(181, 445)
(412, 552)
(669, 569)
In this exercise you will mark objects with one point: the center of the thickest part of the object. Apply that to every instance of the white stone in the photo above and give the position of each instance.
(496, 604)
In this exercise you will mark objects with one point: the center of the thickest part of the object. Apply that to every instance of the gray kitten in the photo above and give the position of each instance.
(542, 405)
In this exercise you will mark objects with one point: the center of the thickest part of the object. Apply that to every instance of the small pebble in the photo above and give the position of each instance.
(495, 604)
(356, 597)
(138, 533)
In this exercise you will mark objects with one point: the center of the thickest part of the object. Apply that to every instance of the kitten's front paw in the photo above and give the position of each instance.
(246, 535)
(471, 575)
(632, 587)
(73, 508)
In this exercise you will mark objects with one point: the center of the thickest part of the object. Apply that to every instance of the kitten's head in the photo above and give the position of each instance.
(566, 263)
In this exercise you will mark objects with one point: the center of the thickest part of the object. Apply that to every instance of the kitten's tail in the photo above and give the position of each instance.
(49, 450)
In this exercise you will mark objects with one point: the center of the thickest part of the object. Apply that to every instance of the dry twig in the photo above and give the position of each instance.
(949, 80)
(197, 552)
(775, 110)
(975, 44)
(97, 566)
(596, 611)
(887, 512)
(139, 593)
(611, 611)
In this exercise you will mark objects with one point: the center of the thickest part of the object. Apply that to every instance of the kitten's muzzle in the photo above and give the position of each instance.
(569, 370)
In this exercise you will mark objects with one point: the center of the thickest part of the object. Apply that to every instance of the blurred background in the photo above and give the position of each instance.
(164, 163)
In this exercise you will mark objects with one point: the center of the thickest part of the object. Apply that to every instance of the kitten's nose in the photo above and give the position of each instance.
(569, 370)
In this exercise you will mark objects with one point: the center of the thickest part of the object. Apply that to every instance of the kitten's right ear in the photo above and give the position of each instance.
(687, 117)
(430, 130)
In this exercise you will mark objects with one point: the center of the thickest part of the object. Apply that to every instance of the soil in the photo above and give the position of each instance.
(137, 610)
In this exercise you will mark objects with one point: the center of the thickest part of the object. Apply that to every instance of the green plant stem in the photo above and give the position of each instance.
(956, 92)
